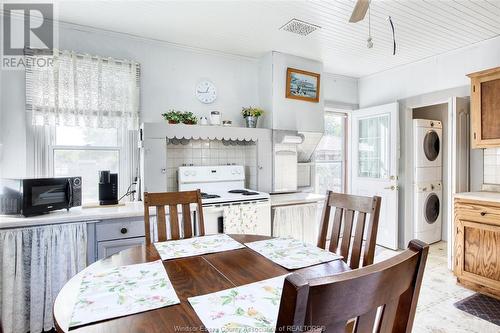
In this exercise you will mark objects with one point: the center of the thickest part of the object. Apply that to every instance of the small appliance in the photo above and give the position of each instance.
(36, 196)
(108, 188)
(428, 206)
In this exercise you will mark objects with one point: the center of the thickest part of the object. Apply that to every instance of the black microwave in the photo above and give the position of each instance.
(38, 196)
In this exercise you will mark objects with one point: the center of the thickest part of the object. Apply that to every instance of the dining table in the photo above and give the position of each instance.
(190, 276)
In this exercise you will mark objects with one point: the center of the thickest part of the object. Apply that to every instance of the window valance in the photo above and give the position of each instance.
(66, 88)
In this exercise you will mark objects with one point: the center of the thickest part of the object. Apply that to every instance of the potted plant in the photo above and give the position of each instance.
(173, 116)
(251, 116)
(189, 118)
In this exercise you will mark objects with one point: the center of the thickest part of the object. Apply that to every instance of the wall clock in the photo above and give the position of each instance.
(206, 92)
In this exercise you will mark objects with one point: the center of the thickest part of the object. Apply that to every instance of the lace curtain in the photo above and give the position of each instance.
(35, 263)
(299, 222)
(66, 88)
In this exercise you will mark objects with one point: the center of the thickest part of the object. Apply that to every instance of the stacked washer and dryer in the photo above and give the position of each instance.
(428, 187)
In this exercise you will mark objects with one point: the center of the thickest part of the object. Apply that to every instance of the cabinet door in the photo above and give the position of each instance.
(485, 105)
(477, 251)
(107, 248)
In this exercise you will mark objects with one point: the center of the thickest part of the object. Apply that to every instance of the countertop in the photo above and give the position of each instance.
(480, 196)
(295, 198)
(76, 214)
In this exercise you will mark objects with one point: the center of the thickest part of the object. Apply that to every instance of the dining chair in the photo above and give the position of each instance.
(350, 208)
(378, 298)
(172, 200)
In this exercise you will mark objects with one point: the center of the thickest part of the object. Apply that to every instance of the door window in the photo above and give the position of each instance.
(374, 147)
(431, 145)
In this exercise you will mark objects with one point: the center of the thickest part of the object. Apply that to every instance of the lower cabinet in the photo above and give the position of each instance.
(477, 246)
(111, 236)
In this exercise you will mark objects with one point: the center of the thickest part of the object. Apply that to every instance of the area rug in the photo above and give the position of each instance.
(482, 306)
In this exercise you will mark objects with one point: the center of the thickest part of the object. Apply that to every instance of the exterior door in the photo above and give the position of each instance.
(374, 167)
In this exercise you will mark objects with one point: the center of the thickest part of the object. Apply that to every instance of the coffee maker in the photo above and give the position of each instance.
(108, 188)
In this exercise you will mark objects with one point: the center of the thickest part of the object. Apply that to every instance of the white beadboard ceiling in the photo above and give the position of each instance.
(424, 28)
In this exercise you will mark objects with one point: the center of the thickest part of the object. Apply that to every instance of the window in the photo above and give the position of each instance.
(330, 155)
(85, 112)
(373, 147)
(79, 151)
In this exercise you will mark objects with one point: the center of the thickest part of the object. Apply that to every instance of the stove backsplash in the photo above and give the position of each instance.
(211, 152)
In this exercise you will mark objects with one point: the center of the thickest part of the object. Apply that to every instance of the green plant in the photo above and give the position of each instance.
(173, 116)
(251, 112)
(189, 118)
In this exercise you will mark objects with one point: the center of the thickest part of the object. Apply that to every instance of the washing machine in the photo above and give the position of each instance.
(428, 211)
(427, 150)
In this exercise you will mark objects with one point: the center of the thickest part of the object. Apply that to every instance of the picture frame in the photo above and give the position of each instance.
(302, 85)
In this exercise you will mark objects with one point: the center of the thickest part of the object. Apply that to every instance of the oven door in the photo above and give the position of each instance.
(46, 194)
(213, 217)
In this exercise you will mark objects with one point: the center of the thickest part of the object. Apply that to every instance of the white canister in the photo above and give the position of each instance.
(203, 121)
(215, 118)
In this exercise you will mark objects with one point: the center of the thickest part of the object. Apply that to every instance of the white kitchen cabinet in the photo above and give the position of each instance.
(107, 248)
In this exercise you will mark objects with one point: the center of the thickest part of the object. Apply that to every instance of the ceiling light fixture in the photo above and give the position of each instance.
(369, 41)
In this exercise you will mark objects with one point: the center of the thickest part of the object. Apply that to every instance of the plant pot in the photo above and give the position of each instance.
(173, 122)
(251, 122)
(189, 123)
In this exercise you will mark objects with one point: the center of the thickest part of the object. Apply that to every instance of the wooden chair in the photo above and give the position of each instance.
(378, 298)
(346, 207)
(172, 199)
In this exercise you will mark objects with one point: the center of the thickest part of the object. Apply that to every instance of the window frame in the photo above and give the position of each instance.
(120, 148)
(345, 144)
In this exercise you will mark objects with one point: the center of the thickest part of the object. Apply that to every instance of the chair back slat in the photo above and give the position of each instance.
(172, 200)
(357, 244)
(186, 215)
(337, 225)
(346, 235)
(366, 321)
(174, 222)
(388, 316)
(161, 222)
(334, 302)
(347, 208)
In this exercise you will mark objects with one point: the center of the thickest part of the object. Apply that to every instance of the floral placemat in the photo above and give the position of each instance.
(122, 291)
(196, 246)
(292, 253)
(250, 308)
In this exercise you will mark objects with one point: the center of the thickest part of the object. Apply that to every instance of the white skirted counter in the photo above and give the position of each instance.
(296, 215)
(39, 254)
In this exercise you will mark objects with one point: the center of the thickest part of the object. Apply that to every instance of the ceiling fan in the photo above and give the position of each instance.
(359, 11)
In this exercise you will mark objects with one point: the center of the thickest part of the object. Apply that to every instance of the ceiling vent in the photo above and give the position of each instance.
(299, 27)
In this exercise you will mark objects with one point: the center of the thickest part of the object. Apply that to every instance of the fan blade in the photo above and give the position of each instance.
(359, 11)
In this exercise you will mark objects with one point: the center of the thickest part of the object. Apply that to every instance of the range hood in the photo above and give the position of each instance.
(306, 142)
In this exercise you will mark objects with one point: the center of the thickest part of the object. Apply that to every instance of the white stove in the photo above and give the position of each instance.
(222, 187)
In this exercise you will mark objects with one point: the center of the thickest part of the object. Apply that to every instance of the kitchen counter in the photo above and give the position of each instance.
(479, 196)
(295, 199)
(76, 214)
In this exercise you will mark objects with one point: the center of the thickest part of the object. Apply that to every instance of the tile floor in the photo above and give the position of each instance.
(435, 311)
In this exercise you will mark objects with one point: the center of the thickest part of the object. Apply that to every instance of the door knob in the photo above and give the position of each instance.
(392, 188)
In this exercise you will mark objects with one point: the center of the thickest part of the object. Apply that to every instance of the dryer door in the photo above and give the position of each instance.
(431, 208)
(432, 145)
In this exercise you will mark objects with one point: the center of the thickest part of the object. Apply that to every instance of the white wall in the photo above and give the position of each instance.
(437, 73)
(293, 114)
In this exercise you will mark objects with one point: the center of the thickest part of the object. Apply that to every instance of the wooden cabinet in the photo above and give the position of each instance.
(477, 245)
(485, 108)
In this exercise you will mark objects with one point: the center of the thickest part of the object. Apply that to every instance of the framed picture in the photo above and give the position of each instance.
(302, 85)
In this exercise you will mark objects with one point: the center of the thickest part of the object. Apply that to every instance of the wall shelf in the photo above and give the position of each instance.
(203, 132)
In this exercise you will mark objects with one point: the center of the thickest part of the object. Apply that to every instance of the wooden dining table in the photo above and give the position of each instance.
(190, 276)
